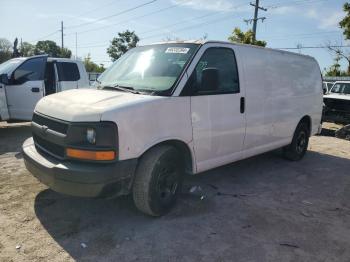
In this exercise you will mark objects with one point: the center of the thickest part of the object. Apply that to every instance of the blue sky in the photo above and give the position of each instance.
(288, 22)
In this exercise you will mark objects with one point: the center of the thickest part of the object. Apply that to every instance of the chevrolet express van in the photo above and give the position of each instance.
(169, 109)
(25, 80)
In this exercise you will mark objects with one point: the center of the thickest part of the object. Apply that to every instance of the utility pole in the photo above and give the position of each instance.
(256, 18)
(62, 34)
(76, 46)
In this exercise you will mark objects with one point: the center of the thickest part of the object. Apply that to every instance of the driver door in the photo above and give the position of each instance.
(218, 118)
(26, 88)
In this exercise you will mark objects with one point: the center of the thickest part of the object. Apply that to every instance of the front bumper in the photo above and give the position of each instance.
(79, 178)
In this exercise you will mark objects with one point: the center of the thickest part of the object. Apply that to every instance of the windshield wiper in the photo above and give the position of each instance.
(122, 88)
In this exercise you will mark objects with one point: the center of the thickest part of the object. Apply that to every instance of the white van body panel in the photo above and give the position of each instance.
(134, 114)
(218, 126)
(141, 119)
(86, 104)
(279, 88)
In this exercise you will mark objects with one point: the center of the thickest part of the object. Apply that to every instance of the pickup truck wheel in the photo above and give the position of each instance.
(158, 180)
(297, 149)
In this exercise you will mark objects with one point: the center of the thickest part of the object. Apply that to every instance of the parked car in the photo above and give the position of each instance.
(93, 77)
(24, 81)
(337, 103)
(165, 110)
(327, 86)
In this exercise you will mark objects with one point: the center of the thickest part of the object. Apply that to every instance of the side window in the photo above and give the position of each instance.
(336, 88)
(346, 89)
(30, 70)
(223, 61)
(67, 71)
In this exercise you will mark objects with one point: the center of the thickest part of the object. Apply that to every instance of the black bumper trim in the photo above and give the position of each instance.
(78, 178)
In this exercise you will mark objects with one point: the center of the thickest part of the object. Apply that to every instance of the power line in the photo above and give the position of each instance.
(131, 19)
(101, 44)
(190, 27)
(291, 3)
(179, 30)
(128, 20)
(114, 15)
(190, 19)
(311, 47)
(48, 35)
(304, 36)
(93, 10)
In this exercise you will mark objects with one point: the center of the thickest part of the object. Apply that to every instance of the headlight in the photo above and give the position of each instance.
(92, 141)
(91, 135)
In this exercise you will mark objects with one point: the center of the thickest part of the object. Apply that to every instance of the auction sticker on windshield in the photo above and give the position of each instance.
(177, 50)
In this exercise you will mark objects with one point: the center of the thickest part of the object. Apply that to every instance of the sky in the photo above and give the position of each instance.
(90, 25)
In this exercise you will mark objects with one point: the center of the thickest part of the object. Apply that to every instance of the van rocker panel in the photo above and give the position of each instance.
(79, 178)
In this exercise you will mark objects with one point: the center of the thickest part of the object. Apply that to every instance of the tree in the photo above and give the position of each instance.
(238, 36)
(334, 70)
(339, 55)
(27, 49)
(121, 44)
(345, 23)
(65, 52)
(5, 50)
(91, 66)
(52, 49)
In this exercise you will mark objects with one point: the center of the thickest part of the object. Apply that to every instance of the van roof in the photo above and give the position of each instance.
(202, 42)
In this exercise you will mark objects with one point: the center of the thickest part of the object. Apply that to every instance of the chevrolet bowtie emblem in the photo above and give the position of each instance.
(44, 129)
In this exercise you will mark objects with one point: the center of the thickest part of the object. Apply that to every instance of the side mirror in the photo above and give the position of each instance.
(210, 79)
(4, 79)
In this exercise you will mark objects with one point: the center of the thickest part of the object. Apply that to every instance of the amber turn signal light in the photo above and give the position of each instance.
(90, 155)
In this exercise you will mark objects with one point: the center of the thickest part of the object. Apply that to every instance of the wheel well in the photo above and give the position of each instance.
(307, 120)
(184, 150)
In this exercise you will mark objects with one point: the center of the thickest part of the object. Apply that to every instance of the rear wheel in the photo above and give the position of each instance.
(297, 149)
(158, 180)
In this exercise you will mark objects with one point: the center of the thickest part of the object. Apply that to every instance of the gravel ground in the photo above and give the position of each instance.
(260, 209)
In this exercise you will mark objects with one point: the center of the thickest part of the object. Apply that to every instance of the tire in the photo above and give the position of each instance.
(158, 180)
(297, 149)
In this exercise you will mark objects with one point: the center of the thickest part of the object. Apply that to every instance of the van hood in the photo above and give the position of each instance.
(87, 105)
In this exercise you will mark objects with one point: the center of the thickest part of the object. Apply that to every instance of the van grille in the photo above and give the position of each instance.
(56, 125)
(49, 147)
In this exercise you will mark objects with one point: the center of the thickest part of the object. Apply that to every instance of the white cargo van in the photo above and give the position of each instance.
(24, 81)
(169, 109)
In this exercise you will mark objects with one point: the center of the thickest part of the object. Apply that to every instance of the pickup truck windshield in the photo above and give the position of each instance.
(341, 88)
(10, 65)
(153, 68)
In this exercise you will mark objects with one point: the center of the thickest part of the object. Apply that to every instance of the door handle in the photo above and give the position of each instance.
(242, 105)
(35, 89)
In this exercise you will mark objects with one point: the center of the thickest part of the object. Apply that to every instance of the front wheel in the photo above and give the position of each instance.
(297, 149)
(158, 180)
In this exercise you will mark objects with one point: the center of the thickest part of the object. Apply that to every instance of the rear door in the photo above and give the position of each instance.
(68, 75)
(218, 119)
(26, 88)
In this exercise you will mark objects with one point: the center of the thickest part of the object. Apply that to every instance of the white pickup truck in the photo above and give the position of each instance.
(165, 110)
(24, 81)
(337, 103)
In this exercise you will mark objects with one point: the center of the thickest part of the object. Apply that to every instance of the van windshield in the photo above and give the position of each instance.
(8, 66)
(152, 69)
